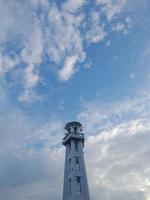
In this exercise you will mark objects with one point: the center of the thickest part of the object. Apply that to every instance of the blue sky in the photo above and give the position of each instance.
(74, 60)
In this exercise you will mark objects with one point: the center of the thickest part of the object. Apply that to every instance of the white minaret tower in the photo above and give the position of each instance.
(75, 179)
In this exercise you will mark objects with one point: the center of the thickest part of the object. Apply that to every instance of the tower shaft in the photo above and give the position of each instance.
(75, 178)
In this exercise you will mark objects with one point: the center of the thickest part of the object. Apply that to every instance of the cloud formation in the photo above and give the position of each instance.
(31, 155)
(40, 34)
(58, 32)
(116, 151)
(118, 136)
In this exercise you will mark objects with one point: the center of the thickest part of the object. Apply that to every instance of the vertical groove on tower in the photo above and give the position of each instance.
(75, 178)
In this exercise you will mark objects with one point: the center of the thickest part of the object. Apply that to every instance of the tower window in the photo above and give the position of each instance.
(72, 129)
(75, 129)
(69, 165)
(70, 186)
(78, 185)
(77, 164)
(76, 146)
(69, 146)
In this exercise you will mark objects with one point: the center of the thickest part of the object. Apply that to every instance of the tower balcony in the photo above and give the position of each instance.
(73, 136)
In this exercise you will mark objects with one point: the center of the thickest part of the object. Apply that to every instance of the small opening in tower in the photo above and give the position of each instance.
(78, 185)
(70, 165)
(77, 164)
(70, 186)
(76, 145)
(75, 129)
(69, 146)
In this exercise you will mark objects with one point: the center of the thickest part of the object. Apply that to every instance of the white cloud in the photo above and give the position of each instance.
(96, 32)
(118, 137)
(123, 27)
(31, 155)
(74, 5)
(66, 72)
(60, 44)
(31, 55)
(29, 95)
(19, 24)
(58, 33)
(8, 63)
(119, 27)
(44, 3)
(16, 20)
(112, 8)
(3, 93)
(117, 157)
(121, 162)
(107, 114)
